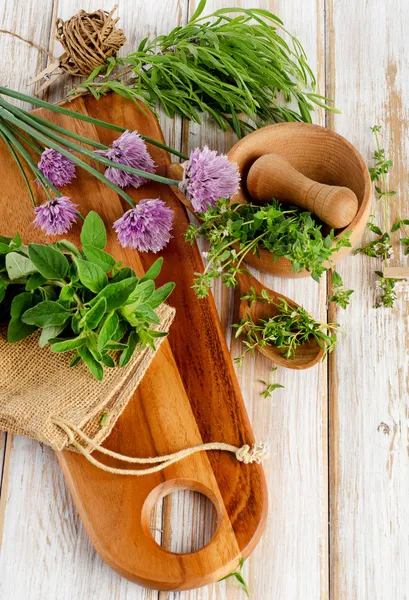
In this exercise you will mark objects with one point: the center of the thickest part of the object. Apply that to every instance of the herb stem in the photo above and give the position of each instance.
(82, 117)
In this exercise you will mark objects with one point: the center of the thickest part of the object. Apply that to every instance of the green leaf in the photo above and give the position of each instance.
(91, 275)
(20, 304)
(5, 240)
(93, 231)
(336, 279)
(93, 365)
(199, 10)
(130, 349)
(67, 293)
(48, 333)
(51, 263)
(17, 330)
(116, 293)
(93, 316)
(67, 345)
(46, 313)
(124, 273)
(396, 226)
(16, 242)
(68, 247)
(148, 312)
(153, 271)
(375, 229)
(142, 292)
(99, 257)
(159, 296)
(114, 346)
(3, 289)
(35, 281)
(4, 248)
(75, 360)
(108, 361)
(108, 330)
(18, 266)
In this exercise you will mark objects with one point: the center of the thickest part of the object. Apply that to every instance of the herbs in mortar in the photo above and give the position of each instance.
(234, 230)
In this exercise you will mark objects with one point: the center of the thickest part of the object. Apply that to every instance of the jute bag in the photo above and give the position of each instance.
(41, 397)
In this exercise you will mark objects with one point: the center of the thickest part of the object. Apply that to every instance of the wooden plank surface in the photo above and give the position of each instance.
(369, 401)
(359, 50)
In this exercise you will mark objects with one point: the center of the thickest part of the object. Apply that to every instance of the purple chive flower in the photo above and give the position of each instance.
(59, 169)
(56, 216)
(146, 227)
(208, 176)
(129, 149)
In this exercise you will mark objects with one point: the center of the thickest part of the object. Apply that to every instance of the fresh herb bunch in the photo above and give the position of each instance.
(340, 296)
(82, 301)
(26, 134)
(235, 230)
(229, 63)
(288, 330)
(381, 247)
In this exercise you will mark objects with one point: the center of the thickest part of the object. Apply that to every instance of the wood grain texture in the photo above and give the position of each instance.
(369, 398)
(294, 419)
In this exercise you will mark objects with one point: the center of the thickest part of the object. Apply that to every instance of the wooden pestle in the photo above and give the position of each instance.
(272, 176)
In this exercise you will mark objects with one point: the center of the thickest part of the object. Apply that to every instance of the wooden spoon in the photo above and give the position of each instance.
(272, 176)
(306, 355)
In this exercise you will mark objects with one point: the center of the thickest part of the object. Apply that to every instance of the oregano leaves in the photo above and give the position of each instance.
(81, 300)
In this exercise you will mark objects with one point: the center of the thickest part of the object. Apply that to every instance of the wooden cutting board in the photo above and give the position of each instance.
(190, 394)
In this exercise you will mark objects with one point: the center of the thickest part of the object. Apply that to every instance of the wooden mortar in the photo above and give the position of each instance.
(319, 154)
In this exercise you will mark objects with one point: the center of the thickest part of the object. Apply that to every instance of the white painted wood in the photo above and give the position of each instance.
(369, 403)
(44, 551)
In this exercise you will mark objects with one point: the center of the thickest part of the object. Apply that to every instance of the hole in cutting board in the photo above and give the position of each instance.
(183, 521)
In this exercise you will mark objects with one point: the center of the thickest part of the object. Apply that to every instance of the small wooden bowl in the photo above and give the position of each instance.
(320, 154)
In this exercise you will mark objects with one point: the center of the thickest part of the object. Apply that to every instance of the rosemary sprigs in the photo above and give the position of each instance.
(229, 63)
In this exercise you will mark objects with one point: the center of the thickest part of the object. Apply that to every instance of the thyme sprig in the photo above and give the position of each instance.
(288, 330)
(385, 203)
(340, 296)
(232, 62)
(234, 230)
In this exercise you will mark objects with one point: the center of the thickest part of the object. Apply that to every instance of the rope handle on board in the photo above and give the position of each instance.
(245, 454)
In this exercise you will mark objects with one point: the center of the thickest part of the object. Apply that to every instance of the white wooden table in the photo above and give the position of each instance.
(338, 476)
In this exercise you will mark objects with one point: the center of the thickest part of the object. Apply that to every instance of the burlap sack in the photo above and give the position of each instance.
(38, 388)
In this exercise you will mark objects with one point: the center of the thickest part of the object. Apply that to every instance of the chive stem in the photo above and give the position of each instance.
(87, 118)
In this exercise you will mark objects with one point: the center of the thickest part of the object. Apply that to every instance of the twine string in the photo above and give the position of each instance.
(29, 42)
(246, 454)
(88, 39)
